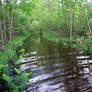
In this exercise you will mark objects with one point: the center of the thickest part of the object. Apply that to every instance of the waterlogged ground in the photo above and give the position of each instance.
(55, 68)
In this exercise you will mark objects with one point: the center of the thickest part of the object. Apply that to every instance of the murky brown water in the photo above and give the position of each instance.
(55, 68)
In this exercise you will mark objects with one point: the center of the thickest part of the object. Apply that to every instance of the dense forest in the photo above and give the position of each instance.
(66, 22)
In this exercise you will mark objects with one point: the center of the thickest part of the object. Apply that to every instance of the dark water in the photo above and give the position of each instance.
(55, 68)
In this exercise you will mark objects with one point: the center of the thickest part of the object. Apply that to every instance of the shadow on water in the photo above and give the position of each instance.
(55, 68)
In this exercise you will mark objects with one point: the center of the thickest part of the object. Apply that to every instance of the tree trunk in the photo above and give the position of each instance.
(4, 26)
(90, 33)
(9, 21)
(71, 19)
(2, 37)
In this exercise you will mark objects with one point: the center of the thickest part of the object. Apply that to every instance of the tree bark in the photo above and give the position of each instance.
(71, 19)
(9, 21)
(2, 37)
(4, 26)
(90, 33)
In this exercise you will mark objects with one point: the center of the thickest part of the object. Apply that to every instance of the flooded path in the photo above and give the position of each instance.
(55, 68)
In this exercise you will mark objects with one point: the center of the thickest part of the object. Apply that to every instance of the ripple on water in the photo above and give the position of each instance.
(57, 69)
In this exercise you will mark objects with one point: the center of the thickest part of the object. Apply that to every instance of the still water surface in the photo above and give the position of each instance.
(56, 68)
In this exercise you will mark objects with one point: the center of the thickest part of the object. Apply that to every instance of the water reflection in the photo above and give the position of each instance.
(55, 68)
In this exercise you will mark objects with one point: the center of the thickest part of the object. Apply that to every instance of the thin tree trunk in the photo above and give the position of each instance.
(71, 19)
(2, 37)
(1, 32)
(4, 22)
(90, 33)
(78, 24)
(9, 20)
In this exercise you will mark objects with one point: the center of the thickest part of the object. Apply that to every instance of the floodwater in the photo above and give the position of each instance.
(56, 68)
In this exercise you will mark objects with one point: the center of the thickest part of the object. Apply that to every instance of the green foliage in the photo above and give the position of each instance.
(51, 19)
(20, 80)
(6, 77)
(15, 22)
